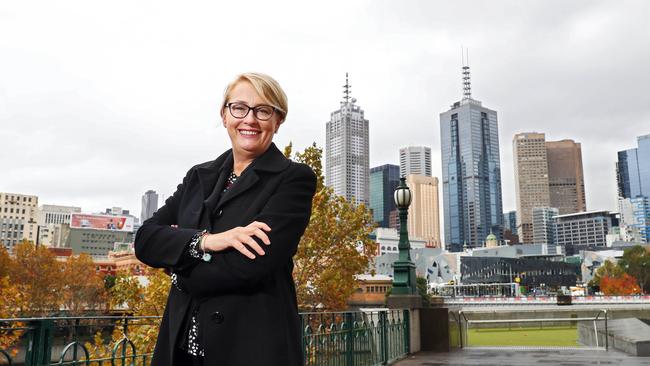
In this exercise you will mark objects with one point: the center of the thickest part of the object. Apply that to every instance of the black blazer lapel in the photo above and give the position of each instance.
(272, 161)
(244, 183)
(212, 176)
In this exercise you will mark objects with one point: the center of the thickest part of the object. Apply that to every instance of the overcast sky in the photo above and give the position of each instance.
(100, 101)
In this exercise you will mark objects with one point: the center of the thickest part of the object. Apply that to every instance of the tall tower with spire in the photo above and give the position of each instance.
(471, 171)
(347, 150)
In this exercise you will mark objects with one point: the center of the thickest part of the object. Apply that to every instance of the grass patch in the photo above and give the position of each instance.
(534, 336)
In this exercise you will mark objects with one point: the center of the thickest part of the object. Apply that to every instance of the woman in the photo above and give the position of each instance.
(228, 234)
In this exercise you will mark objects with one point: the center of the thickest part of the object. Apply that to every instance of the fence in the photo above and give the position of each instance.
(363, 338)
(355, 338)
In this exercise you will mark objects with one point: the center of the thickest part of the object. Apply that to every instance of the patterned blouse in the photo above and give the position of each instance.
(193, 345)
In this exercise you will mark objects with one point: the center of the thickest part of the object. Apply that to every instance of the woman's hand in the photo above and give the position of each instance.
(239, 238)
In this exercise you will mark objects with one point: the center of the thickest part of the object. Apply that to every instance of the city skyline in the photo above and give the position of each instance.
(93, 111)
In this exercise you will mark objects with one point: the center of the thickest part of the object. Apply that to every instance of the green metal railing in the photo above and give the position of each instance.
(363, 338)
(355, 338)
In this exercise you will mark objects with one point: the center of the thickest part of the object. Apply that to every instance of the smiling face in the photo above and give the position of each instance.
(249, 136)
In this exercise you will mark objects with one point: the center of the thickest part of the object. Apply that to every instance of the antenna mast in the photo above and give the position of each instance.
(346, 89)
(467, 83)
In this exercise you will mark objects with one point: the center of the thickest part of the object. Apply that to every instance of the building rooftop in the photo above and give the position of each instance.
(585, 213)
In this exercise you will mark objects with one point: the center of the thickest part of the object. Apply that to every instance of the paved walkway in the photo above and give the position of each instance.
(508, 357)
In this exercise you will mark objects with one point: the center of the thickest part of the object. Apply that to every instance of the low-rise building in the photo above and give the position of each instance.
(387, 240)
(96, 235)
(583, 230)
(371, 291)
(18, 219)
(54, 224)
(533, 273)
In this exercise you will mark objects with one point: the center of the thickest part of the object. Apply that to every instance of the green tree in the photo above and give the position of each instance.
(423, 290)
(607, 269)
(335, 247)
(636, 263)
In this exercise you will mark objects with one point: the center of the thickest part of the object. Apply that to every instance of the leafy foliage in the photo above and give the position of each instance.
(136, 299)
(335, 246)
(83, 288)
(636, 263)
(607, 269)
(34, 283)
(8, 304)
(38, 277)
(622, 285)
(621, 278)
(422, 287)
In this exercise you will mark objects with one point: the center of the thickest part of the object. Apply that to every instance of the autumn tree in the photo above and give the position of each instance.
(38, 276)
(128, 294)
(636, 263)
(621, 285)
(83, 288)
(9, 305)
(607, 269)
(335, 247)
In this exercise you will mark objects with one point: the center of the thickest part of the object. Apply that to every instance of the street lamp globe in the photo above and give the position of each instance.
(402, 195)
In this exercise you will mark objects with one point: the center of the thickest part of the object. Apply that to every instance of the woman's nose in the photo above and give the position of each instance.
(250, 118)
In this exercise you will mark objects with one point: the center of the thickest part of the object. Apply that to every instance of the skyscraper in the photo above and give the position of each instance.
(565, 178)
(510, 221)
(547, 174)
(510, 228)
(633, 175)
(531, 180)
(424, 211)
(633, 170)
(149, 205)
(635, 218)
(347, 151)
(471, 172)
(415, 160)
(384, 180)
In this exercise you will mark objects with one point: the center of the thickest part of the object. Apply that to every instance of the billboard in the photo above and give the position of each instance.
(101, 222)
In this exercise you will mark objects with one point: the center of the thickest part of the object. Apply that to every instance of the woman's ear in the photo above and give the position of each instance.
(223, 119)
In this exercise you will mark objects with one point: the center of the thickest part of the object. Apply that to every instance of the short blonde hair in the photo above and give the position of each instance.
(267, 88)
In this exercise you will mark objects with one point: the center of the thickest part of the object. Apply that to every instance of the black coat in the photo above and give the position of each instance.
(247, 307)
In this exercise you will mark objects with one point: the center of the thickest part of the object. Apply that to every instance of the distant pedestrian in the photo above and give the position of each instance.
(228, 235)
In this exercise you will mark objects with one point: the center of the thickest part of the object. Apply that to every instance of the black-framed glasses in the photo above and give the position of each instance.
(261, 112)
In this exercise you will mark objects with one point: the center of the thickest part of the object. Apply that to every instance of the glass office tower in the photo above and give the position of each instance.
(633, 170)
(471, 173)
(384, 180)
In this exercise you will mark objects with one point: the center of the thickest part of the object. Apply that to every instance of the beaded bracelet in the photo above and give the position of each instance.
(194, 248)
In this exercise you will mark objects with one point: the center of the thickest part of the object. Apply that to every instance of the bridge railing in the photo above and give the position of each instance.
(532, 329)
(360, 338)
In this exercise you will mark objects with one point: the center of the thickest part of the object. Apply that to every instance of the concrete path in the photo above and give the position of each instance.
(522, 357)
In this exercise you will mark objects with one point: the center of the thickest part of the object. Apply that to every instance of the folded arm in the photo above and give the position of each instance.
(158, 243)
(287, 213)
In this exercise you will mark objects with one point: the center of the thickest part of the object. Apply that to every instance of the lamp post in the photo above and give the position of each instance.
(403, 269)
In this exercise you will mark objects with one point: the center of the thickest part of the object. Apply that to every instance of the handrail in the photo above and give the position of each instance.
(370, 337)
(107, 317)
(7, 356)
(534, 320)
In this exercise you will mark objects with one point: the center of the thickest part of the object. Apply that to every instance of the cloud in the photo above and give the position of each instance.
(100, 102)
